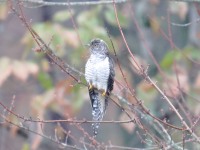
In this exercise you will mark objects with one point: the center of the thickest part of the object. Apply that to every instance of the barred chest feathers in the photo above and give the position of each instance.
(97, 72)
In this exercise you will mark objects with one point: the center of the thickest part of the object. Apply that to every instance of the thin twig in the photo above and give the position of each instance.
(42, 135)
(89, 3)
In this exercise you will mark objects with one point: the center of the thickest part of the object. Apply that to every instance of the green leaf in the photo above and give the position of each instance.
(192, 52)
(25, 146)
(169, 59)
(53, 35)
(85, 34)
(42, 29)
(110, 17)
(45, 80)
(62, 16)
(88, 19)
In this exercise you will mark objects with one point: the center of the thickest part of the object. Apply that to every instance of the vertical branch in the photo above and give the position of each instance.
(74, 24)
(124, 39)
(120, 68)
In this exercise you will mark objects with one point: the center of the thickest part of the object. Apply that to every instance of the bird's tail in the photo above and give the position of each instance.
(99, 104)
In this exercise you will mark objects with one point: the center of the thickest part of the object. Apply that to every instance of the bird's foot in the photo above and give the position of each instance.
(104, 93)
(90, 86)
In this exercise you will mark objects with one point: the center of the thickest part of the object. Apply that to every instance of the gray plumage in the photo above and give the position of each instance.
(99, 73)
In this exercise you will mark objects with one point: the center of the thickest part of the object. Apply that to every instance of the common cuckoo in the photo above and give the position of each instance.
(99, 74)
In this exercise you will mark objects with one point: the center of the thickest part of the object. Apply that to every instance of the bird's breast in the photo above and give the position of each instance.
(97, 72)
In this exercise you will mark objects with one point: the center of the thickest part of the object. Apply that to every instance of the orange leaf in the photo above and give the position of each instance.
(32, 68)
(3, 12)
(129, 127)
(20, 70)
(5, 69)
(172, 82)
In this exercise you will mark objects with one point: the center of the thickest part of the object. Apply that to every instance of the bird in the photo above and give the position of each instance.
(99, 75)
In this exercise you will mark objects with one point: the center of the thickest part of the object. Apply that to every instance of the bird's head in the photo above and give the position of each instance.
(98, 46)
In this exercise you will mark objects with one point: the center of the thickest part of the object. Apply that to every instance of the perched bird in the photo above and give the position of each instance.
(99, 74)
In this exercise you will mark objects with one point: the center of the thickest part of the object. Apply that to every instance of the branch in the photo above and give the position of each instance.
(40, 134)
(189, 1)
(147, 78)
(45, 3)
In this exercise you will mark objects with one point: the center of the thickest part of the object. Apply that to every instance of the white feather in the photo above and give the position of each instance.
(97, 72)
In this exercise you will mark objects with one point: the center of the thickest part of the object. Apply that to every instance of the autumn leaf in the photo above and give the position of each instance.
(5, 69)
(32, 68)
(20, 70)
(129, 127)
(172, 82)
(3, 11)
(136, 63)
(180, 8)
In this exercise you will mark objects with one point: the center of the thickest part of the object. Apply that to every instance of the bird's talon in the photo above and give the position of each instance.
(104, 93)
(90, 86)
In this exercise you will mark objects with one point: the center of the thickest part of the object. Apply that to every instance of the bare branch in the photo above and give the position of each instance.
(189, 1)
(42, 3)
(40, 134)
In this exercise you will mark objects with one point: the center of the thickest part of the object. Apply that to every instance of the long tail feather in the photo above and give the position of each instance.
(98, 108)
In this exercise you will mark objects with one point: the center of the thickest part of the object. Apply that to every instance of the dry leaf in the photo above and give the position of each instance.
(38, 139)
(179, 8)
(138, 62)
(3, 11)
(14, 130)
(155, 24)
(40, 103)
(129, 127)
(183, 10)
(32, 68)
(172, 82)
(145, 86)
(45, 65)
(120, 86)
(20, 70)
(5, 69)
(60, 133)
(65, 103)
(71, 38)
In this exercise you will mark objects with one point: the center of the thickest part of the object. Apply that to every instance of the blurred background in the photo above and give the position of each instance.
(164, 37)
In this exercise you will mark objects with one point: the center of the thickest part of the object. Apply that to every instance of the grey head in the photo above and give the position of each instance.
(98, 47)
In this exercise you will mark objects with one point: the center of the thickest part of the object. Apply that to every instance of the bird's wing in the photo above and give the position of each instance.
(111, 76)
(110, 81)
